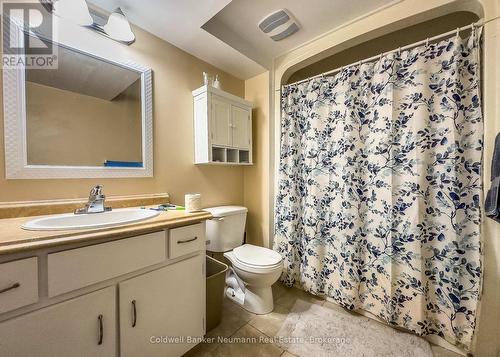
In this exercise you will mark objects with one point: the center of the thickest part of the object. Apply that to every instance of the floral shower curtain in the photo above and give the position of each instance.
(378, 205)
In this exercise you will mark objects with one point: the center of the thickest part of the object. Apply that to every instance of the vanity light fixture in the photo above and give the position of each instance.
(76, 11)
(116, 26)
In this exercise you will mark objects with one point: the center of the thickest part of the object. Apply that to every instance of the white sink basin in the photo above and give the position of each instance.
(63, 222)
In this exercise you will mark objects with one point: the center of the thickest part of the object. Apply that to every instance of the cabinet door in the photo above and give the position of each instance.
(161, 312)
(241, 126)
(70, 328)
(220, 121)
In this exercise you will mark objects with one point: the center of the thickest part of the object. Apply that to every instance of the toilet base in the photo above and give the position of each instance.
(257, 300)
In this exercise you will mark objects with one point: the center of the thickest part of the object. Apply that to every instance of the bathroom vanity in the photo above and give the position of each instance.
(135, 290)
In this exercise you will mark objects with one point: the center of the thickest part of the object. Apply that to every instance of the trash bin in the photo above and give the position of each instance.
(216, 282)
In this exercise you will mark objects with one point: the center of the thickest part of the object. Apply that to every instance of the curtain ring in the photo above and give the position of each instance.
(380, 57)
(427, 42)
(399, 51)
(458, 32)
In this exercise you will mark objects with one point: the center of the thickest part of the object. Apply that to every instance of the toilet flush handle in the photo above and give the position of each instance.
(217, 219)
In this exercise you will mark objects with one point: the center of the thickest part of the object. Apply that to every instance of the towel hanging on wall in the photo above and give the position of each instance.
(492, 203)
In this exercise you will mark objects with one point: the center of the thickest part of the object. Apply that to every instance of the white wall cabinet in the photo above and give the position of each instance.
(161, 306)
(84, 326)
(221, 122)
(241, 127)
(222, 127)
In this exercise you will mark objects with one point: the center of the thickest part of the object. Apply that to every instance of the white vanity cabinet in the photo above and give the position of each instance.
(84, 326)
(222, 127)
(136, 296)
(160, 310)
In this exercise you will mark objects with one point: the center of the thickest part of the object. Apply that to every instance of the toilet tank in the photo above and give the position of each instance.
(226, 230)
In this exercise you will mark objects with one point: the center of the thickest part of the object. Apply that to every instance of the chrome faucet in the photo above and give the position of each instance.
(95, 203)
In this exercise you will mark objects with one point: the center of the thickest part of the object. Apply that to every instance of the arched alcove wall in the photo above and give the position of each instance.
(388, 42)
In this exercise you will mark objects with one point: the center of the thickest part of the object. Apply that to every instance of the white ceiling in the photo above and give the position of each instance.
(179, 22)
(224, 33)
(237, 23)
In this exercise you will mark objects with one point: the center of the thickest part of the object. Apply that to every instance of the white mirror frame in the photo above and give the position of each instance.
(16, 158)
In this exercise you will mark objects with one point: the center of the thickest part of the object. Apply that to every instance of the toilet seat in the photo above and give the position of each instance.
(259, 268)
(256, 259)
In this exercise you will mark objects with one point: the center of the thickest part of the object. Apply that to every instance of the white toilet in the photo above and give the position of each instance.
(257, 267)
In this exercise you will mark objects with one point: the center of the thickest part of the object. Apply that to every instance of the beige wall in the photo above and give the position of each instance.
(175, 75)
(488, 332)
(256, 177)
(73, 129)
(403, 15)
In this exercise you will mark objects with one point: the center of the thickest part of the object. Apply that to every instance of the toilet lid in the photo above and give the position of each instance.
(224, 211)
(253, 255)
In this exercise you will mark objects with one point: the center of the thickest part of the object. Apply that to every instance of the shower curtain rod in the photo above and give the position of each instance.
(472, 26)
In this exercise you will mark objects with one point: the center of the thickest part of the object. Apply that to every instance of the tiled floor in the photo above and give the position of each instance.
(239, 323)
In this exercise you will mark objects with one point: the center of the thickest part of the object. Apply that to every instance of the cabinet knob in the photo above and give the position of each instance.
(134, 314)
(187, 240)
(8, 288)
(101, 330)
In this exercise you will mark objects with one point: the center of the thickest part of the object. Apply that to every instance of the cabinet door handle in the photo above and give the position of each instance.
(134, 314)
(187, 240)
(101, 330)
(12, 287)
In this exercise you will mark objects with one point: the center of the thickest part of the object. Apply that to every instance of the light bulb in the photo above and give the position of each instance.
(118, 27)
(76, 11)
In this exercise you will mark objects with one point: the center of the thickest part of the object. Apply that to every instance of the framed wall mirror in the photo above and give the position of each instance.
(90, 117)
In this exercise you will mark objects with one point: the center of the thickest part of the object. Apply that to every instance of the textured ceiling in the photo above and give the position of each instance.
(225, 33)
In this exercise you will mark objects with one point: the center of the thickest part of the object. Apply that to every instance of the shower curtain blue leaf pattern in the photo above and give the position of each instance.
(378, 205)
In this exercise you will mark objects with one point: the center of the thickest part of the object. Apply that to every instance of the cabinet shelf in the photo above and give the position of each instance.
(222, 127)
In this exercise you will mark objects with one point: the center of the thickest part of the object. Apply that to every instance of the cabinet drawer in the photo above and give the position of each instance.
(18, 284)
(77, 268)
(185, 240)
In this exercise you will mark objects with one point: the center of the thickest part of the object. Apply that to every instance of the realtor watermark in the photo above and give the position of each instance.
(27, 32)
(280, 340)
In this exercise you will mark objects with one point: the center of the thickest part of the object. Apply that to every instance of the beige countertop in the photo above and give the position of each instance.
(14, 239)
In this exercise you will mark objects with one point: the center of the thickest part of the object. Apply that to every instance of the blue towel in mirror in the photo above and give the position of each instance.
(109, 163)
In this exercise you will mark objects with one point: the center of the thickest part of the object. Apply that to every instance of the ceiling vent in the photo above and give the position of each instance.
(279, 25)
